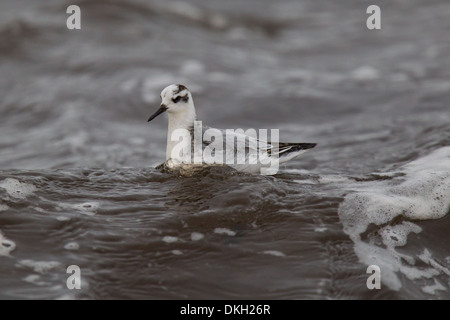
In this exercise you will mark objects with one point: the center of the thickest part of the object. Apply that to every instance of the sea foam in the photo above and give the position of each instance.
(6, 246)
(17, 189)
(420, 192)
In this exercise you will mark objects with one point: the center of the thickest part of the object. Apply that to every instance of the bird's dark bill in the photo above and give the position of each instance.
(162, 109)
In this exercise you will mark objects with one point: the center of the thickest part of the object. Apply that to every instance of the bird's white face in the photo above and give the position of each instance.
(175, 98)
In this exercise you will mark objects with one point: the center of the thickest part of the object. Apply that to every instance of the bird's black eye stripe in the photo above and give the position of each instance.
(184, 98)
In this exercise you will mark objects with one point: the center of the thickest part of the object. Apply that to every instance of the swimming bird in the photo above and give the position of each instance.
(191, 144)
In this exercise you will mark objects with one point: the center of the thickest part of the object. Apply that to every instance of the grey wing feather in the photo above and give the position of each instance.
(264, 146)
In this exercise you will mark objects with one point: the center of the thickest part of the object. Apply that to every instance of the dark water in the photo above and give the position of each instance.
(78, 184)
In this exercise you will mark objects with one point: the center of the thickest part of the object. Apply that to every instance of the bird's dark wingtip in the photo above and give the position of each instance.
(303, 146)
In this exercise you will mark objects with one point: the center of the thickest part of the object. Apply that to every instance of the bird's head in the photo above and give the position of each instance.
(175, 98)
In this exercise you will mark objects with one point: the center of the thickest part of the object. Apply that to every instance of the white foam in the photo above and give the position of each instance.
(6, 246)
(177, 252)
(35, 279)
(433, 288)
(383, 258)
(422, 193)
(169, 239)
(328, 179)
(274, 253)
(427, 258)
(396, 236)
(322, 229)
(41, 267)
(72, 246)
(17, 189)
(196, 236)
(414, 273)
(3, 207)
(87, 208)
(225, 231)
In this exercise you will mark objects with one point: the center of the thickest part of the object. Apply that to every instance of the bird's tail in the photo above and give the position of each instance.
(287, 151)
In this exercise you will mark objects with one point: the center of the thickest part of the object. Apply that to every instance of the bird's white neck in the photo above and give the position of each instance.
(182, 119)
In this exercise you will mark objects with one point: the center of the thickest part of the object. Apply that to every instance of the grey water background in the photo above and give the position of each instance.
(78, 184)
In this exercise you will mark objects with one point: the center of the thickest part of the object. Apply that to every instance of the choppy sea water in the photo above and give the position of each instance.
(78, 184)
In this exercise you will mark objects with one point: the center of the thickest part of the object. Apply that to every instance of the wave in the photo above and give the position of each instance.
(381, 216)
